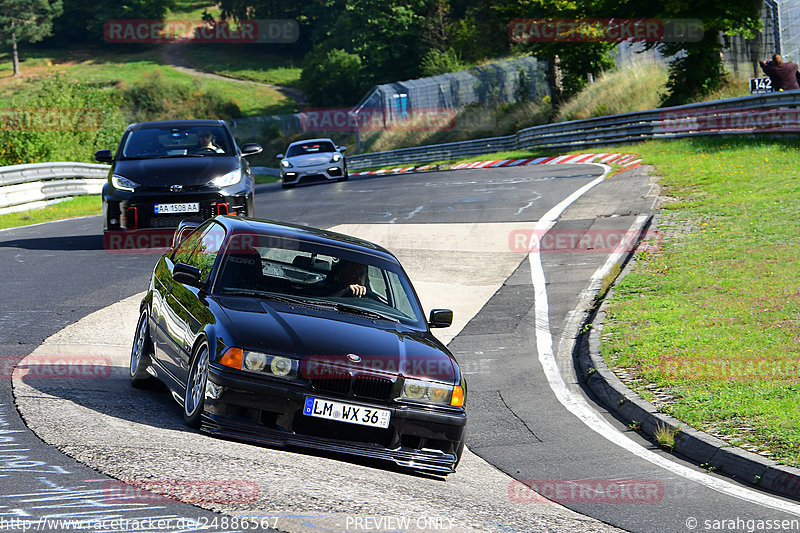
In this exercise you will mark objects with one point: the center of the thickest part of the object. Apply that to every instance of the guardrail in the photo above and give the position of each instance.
(758, 114)
(27, 186)
(24, 187)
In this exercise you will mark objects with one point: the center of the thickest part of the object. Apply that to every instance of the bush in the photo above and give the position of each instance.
(60, 120)
(157, 98)
(332, 78)
(438, 62)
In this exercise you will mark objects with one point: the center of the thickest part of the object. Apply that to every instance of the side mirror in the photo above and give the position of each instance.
(186, 274)
(251, 149)
(441, 318)
(104, 156)
(343, 149)
(279, 156)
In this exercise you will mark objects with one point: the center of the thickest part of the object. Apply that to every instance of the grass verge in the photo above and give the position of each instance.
(252, 62)
(707, 324)
(75, 207)
(124, 66)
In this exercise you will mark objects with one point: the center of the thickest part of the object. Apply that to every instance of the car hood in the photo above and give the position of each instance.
(186, 171)
(321, 337)
(308, 160)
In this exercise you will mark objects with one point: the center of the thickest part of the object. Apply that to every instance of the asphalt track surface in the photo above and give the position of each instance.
(58, 273)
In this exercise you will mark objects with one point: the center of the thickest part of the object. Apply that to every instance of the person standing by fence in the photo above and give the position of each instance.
(783, 74)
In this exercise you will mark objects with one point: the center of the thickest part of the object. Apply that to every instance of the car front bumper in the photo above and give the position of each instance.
(136, 212)
(271, 413)
(328, 171)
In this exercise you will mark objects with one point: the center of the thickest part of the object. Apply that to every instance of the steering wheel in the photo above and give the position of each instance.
(205, 149)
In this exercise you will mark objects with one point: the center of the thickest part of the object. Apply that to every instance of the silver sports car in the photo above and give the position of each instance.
(312, 160)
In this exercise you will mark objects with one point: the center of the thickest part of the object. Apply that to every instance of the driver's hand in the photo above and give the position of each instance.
(358, 290)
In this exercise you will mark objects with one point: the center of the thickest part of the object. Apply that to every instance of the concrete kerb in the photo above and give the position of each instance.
(708, 451)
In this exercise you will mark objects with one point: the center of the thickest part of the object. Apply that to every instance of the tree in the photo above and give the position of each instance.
(26, 20)
(83, 20)
(333, 78)
(570, 63)
(696, 68)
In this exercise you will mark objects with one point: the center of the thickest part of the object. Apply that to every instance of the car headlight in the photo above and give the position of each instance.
(261, 363)
(276, 365)
(281, 366)
(285, 163)
(255, 361)
(336, 158)
(231, 178)
(432, 392)
(122, 183)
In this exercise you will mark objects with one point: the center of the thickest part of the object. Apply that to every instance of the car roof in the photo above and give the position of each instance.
(238, 225)
(176, 123)
(312, 141)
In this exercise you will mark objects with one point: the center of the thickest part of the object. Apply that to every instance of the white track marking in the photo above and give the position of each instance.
(529, 204)
(579, 407)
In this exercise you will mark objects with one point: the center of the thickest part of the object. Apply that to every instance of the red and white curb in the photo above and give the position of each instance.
(626, 160)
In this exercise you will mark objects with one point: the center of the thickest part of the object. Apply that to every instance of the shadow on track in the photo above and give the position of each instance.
(154, 406)
(72, 243)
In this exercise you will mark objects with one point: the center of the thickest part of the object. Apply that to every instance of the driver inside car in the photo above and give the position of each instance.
(351, 277)
(206, 140)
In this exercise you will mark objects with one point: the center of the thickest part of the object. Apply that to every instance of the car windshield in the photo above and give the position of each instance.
(310, 148)
(316, 275)
(151, 143)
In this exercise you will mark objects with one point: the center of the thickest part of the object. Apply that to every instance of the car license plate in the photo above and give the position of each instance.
(161, 209)
(346, 412)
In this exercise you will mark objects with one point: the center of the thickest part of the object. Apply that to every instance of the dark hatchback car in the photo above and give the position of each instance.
(291, 336)
(166, 171)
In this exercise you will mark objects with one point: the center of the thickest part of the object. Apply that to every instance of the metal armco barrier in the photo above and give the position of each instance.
(760, 114)
(23, 187)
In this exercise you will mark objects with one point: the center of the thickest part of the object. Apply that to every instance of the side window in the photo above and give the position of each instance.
(401, 301)
(200, 249)
(183, 253)
(377, 283)
(206, 252)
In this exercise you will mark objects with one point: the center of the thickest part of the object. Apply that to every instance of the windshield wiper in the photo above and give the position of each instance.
(344, 308)
(262, 294)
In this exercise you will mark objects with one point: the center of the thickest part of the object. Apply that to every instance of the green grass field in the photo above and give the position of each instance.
(711, 317)
(126, 65)
(246, 62)
(76, 207)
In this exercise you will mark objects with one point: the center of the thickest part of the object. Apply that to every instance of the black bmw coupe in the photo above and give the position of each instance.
(165, 171)
(292, 336)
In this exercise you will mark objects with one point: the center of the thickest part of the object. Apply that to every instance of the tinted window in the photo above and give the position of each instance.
(310, 148)
(176, 142)
(261, 265)
(200, 249)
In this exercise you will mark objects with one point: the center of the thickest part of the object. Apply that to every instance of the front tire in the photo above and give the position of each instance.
(194, 397)
(141, 351)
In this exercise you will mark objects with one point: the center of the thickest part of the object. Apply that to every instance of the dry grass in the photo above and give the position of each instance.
(636, 88)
